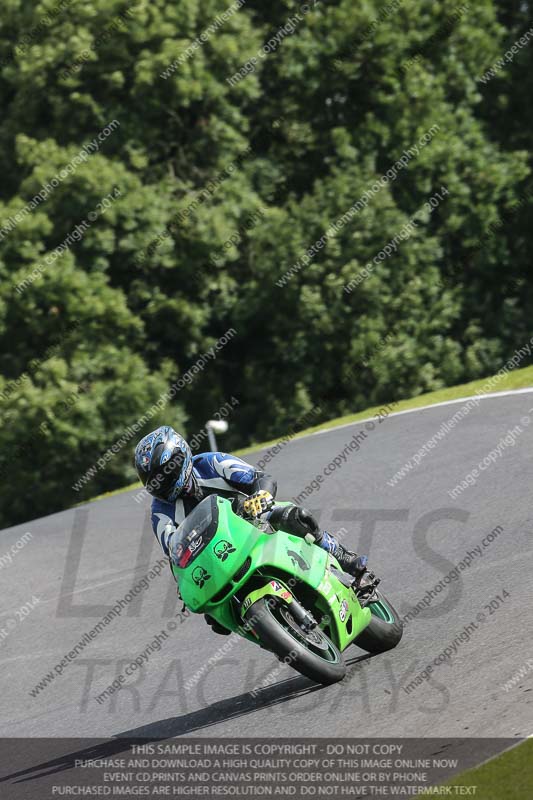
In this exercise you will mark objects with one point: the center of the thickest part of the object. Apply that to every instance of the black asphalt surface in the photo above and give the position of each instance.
(78, 563)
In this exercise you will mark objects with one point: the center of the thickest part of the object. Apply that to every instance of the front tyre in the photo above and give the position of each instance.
(385, 628)
(311, 653)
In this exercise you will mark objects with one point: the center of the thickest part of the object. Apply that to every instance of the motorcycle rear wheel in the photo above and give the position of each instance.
(385, 629)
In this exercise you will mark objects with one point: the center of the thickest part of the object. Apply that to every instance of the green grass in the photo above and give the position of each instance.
(517, 379)
(506, 777)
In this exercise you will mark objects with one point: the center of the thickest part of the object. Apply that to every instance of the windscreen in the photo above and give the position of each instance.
(195, 532)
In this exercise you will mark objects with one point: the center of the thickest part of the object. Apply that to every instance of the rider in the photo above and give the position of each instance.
(178, 481)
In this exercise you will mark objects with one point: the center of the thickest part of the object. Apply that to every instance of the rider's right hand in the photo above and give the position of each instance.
(257, 504)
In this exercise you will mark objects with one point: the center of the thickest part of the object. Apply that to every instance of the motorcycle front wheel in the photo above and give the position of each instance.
(311, 652)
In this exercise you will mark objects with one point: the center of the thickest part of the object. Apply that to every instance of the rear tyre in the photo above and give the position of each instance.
(385, 629)
(311, 653)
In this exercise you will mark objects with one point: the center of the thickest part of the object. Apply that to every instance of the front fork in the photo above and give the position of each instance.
(275, 590)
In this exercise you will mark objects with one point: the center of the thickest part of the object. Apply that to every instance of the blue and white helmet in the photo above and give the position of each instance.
(163, 461)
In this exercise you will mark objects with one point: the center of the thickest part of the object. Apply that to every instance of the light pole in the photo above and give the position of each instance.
(215, 426)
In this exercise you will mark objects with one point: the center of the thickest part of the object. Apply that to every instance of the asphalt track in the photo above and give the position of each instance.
(419, 535)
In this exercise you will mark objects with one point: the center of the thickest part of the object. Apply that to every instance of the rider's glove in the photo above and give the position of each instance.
(295, 520)
(257, 504)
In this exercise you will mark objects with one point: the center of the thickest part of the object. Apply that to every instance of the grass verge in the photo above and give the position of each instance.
(509, 776)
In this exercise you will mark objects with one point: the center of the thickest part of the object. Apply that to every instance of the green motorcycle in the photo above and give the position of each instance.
(277, 590)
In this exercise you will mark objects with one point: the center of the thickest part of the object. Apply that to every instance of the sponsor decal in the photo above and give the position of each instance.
(343, 611)
(195, 544)
(200, 576)
(297, 560)
(247, 603)
(223, 549)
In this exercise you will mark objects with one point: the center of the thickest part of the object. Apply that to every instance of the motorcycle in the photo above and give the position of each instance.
(279, 591)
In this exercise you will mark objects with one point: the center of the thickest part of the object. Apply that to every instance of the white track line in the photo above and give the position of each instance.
(423, 408)
(508, 393)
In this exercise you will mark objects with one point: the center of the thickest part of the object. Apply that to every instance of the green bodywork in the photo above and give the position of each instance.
(240, 553)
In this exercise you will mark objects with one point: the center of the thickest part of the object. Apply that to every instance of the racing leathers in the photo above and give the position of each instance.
(231, 477)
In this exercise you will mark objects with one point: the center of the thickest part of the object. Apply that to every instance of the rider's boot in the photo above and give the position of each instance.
(350, 562)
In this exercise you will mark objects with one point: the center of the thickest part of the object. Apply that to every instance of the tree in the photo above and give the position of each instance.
(178, 170)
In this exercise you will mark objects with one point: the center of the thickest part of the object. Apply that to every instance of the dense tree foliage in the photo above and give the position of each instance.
(191, 211)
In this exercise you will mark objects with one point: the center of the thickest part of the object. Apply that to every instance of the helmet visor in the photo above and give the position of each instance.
(162, 482)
